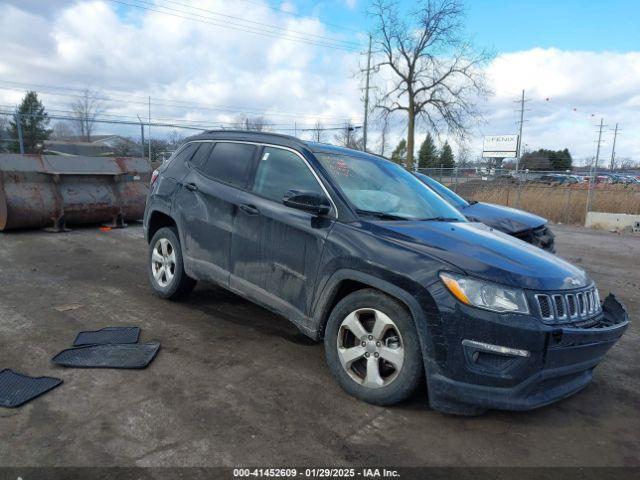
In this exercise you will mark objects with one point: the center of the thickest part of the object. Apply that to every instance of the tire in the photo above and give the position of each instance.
(368, 309)
(165, 266)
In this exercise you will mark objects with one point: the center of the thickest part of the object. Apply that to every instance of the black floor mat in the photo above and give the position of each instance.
(108, 335)
(137, 355)
(17, 389)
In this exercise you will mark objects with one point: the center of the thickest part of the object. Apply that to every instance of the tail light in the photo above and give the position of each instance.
(154, 177)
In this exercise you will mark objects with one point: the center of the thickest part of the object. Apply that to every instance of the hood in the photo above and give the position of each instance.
(505, 219)
(486, 253)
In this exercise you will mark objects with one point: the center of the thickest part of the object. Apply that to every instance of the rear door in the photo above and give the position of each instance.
(208, 202)
(276, 249)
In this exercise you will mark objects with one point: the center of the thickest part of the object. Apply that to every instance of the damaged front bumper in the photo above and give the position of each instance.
(518, 363)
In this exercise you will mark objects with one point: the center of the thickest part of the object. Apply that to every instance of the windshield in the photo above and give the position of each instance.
(384, 190)
(449, 195)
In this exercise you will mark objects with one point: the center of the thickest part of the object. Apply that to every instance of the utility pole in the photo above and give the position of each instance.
(142, 138)
(19, 126)
(613, 150)
(595, 166)
(149, 130)
(519, 146)
(366, 99)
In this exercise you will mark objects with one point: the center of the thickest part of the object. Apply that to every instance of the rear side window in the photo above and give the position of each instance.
(177, 162)
(200, 157)
(229, 163)
(281, 170)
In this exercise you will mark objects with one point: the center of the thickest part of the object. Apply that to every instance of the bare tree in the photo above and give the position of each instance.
(318, 132)
(85, 111)
(256, 124)
(62, 131)
(436, 74)
(175, 139)
(348, 137)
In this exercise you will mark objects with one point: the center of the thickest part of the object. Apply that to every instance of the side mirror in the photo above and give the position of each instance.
(311, 202)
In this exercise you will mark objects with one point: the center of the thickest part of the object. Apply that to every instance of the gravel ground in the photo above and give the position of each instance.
(236, 385)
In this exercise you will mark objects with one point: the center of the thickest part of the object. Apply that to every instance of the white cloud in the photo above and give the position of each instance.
(87, 43)
(178, 60)
(569, 91)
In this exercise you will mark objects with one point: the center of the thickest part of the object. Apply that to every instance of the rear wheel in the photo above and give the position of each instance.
(372, 348)
(165, 265)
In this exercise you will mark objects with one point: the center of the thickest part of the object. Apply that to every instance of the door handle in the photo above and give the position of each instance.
(191, 186)
(249, 209)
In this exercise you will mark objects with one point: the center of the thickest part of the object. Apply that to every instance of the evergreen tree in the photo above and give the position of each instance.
(428, 154)
(399, 155)
(34, 122)
(446, 159)
(544, 159)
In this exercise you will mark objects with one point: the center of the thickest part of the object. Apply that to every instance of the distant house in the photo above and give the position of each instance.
(99, 146)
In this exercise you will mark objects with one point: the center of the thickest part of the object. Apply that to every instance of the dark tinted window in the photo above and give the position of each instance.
(280, 170)
(175, 164)
(230, 162)
(185, 154)
(200, 157)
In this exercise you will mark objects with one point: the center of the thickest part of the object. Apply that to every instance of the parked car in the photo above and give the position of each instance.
(518, 223)
(355, 250)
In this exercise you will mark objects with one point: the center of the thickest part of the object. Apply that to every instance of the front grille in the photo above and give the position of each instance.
(574, 307)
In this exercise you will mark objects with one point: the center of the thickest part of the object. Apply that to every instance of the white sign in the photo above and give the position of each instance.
(493, 154)
(500, 146)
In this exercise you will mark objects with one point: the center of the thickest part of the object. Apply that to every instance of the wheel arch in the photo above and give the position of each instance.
(416, 298)
(157, 220)
(346, 281)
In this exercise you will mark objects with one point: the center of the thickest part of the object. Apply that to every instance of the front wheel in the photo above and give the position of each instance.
(165, 265)
(372, 348)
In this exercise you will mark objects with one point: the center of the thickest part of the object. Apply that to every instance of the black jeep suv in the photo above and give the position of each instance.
(354, 249)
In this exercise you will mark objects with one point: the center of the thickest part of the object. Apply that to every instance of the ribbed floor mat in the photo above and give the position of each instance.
(17, 389)
(137, 355)
(108, 335)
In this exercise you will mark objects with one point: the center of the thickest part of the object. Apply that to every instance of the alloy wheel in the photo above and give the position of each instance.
(163, 262)
(370, 348)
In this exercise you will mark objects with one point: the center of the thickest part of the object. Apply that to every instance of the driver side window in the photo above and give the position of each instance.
(281, 170)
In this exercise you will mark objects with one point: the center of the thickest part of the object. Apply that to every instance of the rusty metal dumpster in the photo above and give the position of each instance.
(49, 191)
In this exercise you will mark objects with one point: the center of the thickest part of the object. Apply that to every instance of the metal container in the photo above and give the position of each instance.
(40, 191)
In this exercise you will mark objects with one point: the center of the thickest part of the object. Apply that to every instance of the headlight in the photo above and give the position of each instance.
(487, 295)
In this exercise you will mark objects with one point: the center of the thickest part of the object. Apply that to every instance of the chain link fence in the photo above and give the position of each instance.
(560, 197)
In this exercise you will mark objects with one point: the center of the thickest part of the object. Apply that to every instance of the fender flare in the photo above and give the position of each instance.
(157, 209)
(416, 302)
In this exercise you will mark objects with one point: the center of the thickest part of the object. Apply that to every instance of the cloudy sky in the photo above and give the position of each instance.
(208, 62)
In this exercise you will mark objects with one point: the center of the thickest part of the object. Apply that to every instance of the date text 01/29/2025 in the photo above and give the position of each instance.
(315, 473)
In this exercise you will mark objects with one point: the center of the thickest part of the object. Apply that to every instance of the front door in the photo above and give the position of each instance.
(276, 249)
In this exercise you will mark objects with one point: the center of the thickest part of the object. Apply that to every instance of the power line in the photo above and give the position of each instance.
(159, 102)
(161, 124)
(275, 27)
(298, 15)
(194, 123)
(229, 25)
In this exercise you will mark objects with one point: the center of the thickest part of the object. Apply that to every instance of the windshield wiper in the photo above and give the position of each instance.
(380, 215)
(440, 219)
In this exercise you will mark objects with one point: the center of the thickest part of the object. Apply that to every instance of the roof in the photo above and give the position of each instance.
(279, 139)
(251, 136)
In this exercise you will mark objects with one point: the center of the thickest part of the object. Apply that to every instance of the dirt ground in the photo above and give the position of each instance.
(236, 385)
